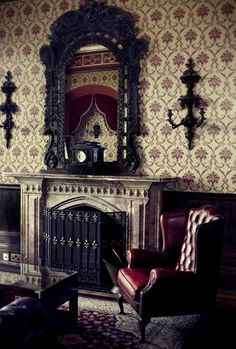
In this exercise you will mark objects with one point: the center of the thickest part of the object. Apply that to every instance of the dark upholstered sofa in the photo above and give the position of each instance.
(21, 320)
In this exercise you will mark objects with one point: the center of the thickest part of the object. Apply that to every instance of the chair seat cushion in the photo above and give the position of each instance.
(132, 280)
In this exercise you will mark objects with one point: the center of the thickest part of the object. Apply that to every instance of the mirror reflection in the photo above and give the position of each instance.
(91, 100)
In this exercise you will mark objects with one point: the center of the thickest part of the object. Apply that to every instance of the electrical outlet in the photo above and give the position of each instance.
(15, 257)
(5, 256)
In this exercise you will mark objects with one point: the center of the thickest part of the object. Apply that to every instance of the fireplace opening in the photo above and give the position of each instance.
(80, 238)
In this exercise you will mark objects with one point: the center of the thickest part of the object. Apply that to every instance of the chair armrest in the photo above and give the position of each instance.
(172, 292)
(171, 280)
(170, 274)
(140, 258)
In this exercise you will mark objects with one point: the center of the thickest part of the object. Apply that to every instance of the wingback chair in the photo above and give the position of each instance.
(180, 279)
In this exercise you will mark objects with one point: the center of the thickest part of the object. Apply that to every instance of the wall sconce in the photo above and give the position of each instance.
(189, 101)
(8, 107)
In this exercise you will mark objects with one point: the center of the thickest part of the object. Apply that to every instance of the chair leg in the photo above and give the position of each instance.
(120, 301)
(142, 327)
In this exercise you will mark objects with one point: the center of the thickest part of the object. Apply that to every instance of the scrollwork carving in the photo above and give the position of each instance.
(93, 23)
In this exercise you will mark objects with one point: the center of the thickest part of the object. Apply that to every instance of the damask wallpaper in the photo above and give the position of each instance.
(176, 30)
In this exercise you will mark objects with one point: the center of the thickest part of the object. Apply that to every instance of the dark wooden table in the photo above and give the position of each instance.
(52, 295)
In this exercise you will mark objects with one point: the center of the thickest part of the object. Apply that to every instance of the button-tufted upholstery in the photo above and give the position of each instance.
(196, 217)
(180, 279)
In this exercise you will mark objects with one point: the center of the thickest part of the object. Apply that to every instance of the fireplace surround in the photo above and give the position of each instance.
(138, 196)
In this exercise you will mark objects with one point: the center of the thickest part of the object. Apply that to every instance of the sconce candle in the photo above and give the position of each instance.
(189, 101)
(8, 107)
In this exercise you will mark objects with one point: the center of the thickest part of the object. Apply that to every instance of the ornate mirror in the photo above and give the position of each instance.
(92, 127)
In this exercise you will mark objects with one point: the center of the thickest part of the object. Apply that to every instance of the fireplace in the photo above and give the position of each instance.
(140, 198)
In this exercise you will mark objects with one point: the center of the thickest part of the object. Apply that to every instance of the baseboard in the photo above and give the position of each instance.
(97, 294)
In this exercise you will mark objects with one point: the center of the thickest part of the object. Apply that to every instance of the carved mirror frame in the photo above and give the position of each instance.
(112, 27)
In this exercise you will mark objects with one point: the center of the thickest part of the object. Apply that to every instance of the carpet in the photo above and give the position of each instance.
(163, 332)
(101, 327)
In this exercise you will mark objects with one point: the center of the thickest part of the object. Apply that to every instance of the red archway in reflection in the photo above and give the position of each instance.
(79, 100)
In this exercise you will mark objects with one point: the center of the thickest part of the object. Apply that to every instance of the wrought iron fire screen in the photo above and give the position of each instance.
(80, 240)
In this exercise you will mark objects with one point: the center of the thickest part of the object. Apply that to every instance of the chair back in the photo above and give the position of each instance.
(173, 228)
(197, 217)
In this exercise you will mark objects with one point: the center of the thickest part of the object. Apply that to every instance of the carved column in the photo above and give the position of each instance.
(154, 212)
(32, 202)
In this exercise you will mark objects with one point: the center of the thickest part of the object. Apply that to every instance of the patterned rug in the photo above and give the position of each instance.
(101, 327)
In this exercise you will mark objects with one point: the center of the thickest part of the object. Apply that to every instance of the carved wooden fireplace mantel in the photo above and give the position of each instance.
(140, 197)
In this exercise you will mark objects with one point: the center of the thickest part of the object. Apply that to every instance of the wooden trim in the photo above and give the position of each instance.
(9, 226)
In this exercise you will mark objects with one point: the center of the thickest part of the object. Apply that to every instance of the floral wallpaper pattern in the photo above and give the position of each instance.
(176, 30)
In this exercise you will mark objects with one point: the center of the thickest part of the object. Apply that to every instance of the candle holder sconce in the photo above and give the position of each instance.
(190, 101)
(8, 107)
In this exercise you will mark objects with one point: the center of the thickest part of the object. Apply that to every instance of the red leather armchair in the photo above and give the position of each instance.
(180, 279)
